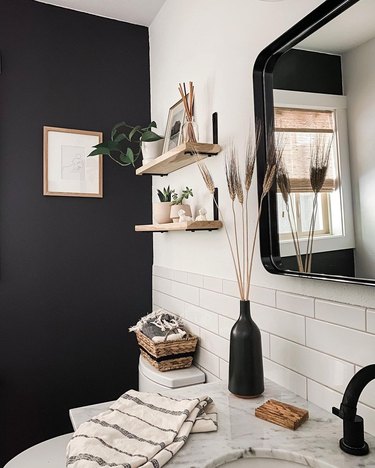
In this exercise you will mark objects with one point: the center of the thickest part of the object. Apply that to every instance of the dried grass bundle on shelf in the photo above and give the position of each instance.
(238, 190)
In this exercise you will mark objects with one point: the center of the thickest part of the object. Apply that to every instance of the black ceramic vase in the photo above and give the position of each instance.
(245, 358)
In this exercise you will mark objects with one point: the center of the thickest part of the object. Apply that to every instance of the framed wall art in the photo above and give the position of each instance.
(68, 172)
(175, 122)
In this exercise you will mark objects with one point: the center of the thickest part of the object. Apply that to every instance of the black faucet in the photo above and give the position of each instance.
(353, 441)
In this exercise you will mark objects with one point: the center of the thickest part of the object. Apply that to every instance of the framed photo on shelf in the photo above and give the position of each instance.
(175, 122)
(67, 171)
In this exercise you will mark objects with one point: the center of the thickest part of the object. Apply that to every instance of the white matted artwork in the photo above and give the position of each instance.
(175, 122)
(68, 172)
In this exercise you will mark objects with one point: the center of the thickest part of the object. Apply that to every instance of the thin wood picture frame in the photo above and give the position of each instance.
(175, 123)
(67, 171)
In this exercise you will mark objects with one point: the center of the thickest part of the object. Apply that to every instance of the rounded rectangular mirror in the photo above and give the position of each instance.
(314, 95)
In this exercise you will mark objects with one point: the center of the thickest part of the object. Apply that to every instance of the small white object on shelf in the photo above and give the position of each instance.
(202, 215)
(183, 218)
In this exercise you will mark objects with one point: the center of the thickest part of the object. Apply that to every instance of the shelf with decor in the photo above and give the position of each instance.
(188, 225)
(185, 226)
(183, 155)
(179, 157)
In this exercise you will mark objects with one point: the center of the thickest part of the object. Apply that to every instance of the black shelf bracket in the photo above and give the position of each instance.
(216, 204)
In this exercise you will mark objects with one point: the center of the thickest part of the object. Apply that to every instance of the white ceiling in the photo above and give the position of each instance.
(132, 11)
(350, 29)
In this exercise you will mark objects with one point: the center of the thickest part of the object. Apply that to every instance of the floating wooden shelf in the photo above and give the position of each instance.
(181, 156)
(187, 226)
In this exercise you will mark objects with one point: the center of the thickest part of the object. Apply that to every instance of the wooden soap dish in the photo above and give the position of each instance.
(282, 414)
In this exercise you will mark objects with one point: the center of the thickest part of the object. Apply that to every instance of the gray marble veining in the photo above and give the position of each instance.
(242, 435)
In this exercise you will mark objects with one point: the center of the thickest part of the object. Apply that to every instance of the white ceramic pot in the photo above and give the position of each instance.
(176, 208)
(151, 150)
(161, 212)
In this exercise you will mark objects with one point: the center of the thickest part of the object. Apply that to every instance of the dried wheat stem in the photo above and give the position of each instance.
(311, 234)
(250, 267)
(247, 243)
(237, 249)
(231, 250)
(295, 241)
(315, 212)
(208, 180)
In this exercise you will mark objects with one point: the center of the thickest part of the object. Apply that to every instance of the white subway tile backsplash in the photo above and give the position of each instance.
(231, 288)
(285, 377)
(169, 303)
(162, 284)
(185, 292)
(327, 398)
(162, 272)
(219, 303)
(313, 364)
(323, 396)
(225, 326)
(203, 318)
(213, 284)
(258, 294)
(348, 316)
(192, 328)
(224, 370)
(371, 321)
(215, 344)
(265, 344)
(278, 322)
(195, 280)
(180, 276)
(208, 361)
(345, 343)
(263, 296)
(293, 303)
(368, 414)
(368, 394)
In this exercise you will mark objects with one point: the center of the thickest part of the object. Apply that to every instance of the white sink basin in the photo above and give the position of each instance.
(272, 459)
(257, 462)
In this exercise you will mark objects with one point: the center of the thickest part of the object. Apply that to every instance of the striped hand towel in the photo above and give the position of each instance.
(139, 430)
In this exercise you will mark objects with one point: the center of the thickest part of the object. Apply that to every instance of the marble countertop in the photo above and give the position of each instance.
(242, 435)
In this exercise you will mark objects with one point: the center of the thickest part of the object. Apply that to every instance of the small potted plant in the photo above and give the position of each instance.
(127, 142)
(161, 210)
(177, 204)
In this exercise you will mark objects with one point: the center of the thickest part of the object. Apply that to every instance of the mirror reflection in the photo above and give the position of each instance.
(324, 108)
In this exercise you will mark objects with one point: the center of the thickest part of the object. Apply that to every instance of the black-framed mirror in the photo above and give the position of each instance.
(313, 89)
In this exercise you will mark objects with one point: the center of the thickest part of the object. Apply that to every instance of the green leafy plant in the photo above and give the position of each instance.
(185, 194)
(166, 194)
(124, 146)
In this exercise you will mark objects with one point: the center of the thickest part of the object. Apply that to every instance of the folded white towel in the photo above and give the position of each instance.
(139, 430)
(178, 336)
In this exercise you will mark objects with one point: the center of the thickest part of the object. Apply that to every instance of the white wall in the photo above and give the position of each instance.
(215, 43)
(359, 78)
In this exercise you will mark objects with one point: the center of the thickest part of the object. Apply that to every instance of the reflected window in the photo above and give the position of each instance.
(300, 129)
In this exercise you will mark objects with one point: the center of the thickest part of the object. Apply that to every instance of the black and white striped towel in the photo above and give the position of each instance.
(139, 430)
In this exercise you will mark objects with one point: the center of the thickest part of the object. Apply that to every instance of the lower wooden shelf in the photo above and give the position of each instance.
(186, 226)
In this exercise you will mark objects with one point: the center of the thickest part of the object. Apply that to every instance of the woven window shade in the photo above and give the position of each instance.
(300, 127)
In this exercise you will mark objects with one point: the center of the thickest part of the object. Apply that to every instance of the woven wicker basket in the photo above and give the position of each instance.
(168, 355)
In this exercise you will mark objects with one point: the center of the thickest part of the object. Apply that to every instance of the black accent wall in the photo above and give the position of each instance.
(73, 274)
(312, 72)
